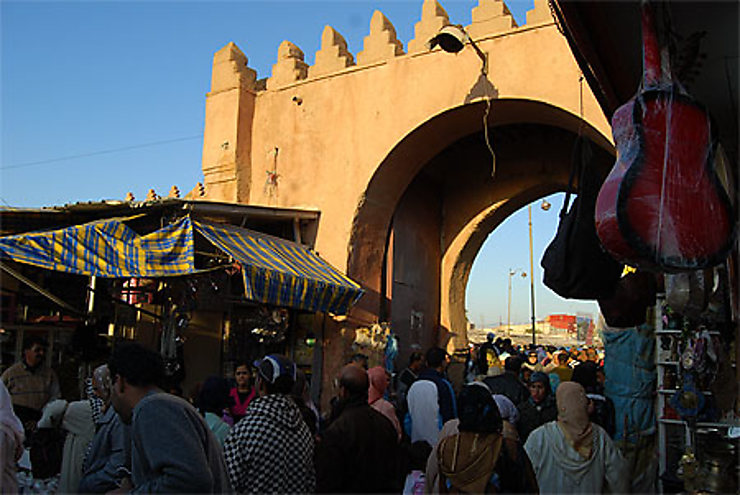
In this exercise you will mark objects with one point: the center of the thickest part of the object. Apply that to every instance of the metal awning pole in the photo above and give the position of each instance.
(40, 290)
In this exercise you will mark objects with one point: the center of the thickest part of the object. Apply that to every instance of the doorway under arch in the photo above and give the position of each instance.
(433, 201)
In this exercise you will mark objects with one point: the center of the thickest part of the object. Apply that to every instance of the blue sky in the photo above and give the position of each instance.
(120, 87)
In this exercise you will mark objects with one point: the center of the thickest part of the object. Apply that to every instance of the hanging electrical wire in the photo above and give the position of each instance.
(486, 137)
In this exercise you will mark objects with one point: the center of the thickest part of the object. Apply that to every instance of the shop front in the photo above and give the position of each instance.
(207, 284)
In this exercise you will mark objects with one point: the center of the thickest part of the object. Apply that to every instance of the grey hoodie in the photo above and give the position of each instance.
(173, 450)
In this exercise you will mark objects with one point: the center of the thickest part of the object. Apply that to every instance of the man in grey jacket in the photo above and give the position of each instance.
(173, 450)
(109, 457)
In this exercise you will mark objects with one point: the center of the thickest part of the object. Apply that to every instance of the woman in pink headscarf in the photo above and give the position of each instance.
(11, 442)
(378, 384)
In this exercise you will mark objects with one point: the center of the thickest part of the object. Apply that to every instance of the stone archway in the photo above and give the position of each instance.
(444, 166)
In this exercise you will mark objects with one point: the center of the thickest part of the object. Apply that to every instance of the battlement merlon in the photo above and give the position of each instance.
(230, 70)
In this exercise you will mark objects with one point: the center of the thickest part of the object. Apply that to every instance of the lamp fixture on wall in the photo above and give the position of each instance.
(452, 39)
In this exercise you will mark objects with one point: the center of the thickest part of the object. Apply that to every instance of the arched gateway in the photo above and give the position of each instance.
(391, 149)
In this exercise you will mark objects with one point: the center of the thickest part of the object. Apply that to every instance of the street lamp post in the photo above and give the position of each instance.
(545, 205)
(508, 317)
(531, 272)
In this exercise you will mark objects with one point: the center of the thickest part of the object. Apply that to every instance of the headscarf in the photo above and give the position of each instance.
(506, 408)
(539, 376)
(52, 414)
(573, 417)
(477, 410)
(7, 416)
(378, 383)
(468, 458)
(96, 403)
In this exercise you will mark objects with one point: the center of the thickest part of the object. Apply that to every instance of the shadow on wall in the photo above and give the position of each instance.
(483, 88)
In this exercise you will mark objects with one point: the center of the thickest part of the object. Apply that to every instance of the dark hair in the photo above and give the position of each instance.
(359, 358)
(435, 357)
(242, 362)
(140, 366)
(214, 395)
(415, 356)
(418, 454)
(513, 363)
(562, 358)
(478, 411)
(356, 382)
(585, 374)
(282, 385)
(31, 340)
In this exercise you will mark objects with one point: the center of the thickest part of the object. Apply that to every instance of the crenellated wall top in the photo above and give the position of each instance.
(489, 18)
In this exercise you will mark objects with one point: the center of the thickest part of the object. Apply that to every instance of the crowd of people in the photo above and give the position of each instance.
(526, 421)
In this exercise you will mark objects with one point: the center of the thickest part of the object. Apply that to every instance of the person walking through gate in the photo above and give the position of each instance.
(431, 399)
(573, 455)
(358, 452)
(539, 409)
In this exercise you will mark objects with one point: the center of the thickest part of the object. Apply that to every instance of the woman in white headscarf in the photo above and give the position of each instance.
(573, 455)
(11, 442)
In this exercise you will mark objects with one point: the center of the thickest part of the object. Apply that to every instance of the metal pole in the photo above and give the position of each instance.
(508, 314)
(531, 273)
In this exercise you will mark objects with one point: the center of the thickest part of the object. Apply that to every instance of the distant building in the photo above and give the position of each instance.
(562, 322)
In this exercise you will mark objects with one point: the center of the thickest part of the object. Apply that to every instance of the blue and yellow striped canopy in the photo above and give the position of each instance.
(106, 248)
(283, 273)
(276, 271)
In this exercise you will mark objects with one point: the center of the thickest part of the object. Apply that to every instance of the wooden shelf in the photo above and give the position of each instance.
(700, 424)
(670, 391)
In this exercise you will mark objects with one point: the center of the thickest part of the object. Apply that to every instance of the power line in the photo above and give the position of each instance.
(102, 152)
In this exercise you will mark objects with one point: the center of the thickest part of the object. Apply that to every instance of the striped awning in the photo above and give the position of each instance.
(276, 271)
(106, 248)
(283, 273)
